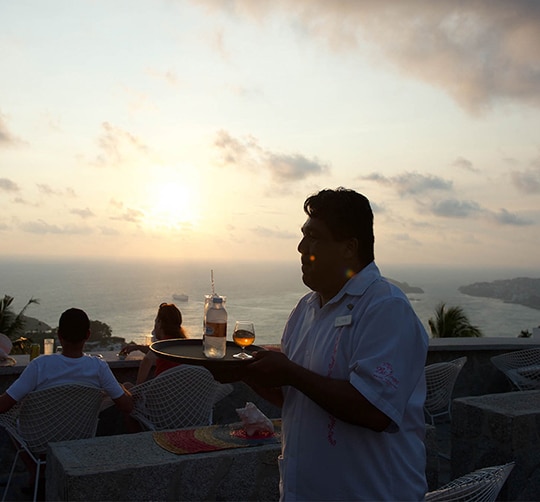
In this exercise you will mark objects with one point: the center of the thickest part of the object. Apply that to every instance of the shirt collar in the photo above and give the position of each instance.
(356, 285)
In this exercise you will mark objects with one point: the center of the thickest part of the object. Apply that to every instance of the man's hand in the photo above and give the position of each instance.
(268, 369)
(6, 402)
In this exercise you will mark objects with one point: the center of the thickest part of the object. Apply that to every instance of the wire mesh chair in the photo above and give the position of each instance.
(59, 413)
(440, 381)
(482, 485)
(521, 367)
(183, 396)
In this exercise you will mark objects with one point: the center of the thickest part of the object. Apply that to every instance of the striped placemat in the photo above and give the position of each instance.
(213, 438)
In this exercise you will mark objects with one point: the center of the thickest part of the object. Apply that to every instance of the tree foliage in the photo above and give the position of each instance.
(12, 324)
(99, 331)
(452, 322)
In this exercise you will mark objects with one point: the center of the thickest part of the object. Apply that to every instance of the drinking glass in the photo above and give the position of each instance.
(48, 346)
(243, 336)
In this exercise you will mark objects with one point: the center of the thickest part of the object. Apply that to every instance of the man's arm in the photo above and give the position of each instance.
(6, 402)
(131, 347)
(125, 402)
(338, 397)
(273, 395)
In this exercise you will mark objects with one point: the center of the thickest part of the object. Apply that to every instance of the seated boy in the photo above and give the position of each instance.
(71, 366)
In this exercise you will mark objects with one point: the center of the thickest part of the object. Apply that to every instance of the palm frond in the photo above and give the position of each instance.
(452, 322)
(12, 324)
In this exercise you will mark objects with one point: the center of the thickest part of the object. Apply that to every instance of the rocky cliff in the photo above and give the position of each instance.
(522, 290)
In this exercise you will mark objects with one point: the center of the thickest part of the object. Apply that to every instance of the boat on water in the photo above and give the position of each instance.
(181, 297)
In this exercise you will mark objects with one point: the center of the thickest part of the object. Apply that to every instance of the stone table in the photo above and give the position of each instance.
(495, 429)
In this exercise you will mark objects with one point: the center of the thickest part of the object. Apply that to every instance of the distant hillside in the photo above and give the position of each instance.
(33, 324)
(522, 291)
(404, 286)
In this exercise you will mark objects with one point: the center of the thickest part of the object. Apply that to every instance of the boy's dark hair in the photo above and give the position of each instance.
(347, 214)
(74, 325)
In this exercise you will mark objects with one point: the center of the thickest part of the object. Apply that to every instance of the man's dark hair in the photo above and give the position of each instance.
(74, 325)
(347, 214)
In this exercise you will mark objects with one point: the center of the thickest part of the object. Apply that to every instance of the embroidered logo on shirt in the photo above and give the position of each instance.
(385, 373)
(331, 418)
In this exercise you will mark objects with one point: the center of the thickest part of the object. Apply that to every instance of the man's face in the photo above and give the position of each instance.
(324, 260)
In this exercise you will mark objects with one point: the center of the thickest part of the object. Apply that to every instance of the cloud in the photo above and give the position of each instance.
(504, 217)
(274, 233)
(6, 185)
(465, 164)
(248, 154)
(24, 202)
(527, 181)
(83, 213)
(129, 215)
(453, 208)
(109, 231)
(42, 227)
(411, 183)
(170, 77)
(49, 191)
(116, 203)
(117, 146)
(478, 52)
(6, 138)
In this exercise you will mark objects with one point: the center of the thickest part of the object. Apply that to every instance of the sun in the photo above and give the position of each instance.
(171, 205)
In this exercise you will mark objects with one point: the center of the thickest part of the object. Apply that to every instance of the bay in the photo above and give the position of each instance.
(126, 294)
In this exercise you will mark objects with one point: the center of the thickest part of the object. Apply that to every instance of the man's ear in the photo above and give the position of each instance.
(351, 248)
(87, 336)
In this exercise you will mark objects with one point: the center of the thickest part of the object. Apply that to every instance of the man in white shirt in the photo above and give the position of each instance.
(350, 375)
(71, 366)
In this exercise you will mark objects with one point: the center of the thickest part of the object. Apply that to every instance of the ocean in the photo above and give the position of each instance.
(126, 294)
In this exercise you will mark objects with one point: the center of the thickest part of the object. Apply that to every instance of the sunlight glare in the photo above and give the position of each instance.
(171, 205)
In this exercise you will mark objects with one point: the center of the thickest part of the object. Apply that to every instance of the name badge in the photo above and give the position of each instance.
(344, 320)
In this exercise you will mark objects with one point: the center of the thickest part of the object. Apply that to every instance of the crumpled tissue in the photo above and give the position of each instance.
(254, 421)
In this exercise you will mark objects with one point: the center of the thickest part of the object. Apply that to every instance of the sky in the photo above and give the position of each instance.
(195, 129)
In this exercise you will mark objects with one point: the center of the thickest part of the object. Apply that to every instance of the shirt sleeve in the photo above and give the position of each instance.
(389, 364)
(108, 381)
(26, 382)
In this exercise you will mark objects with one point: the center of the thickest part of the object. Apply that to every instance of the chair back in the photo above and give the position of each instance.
(182, 396)
(440, 381)
(521, 367)
(59, 413)
(482, 485)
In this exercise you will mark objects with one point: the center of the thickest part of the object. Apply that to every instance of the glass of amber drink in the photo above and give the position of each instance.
(243, 336)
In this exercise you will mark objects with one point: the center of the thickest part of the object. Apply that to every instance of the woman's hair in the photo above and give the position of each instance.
(170, 319)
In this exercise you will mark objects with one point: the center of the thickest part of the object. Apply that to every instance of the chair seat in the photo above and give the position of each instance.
(440, 381)
(521, 367)
(482, 485)
(183, 396)
(59, 413)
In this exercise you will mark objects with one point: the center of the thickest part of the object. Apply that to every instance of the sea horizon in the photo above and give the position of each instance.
(125, 294)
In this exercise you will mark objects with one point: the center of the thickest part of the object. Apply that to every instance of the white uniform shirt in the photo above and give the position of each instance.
(369, 335)
(57, 369)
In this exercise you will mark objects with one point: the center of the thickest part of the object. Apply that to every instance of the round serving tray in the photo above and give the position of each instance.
(190, 351)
